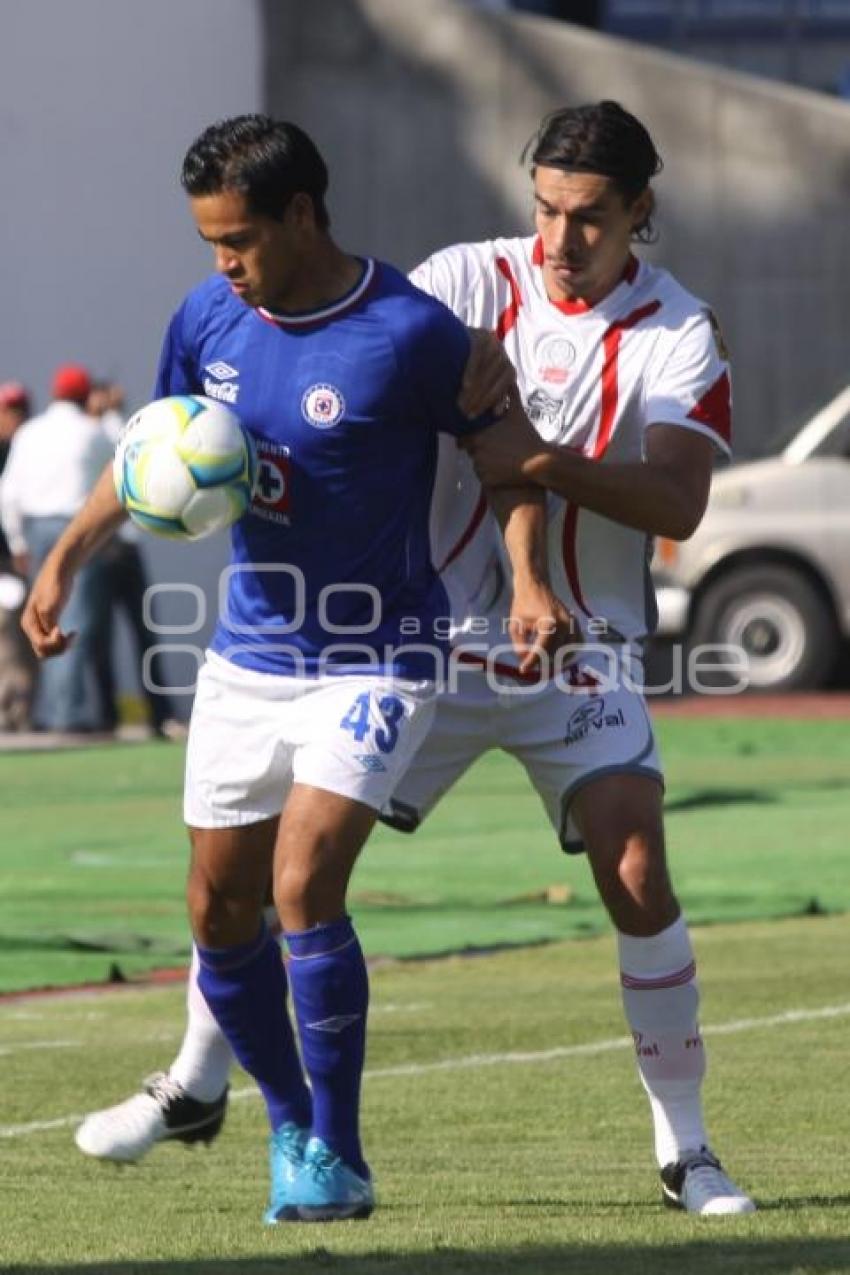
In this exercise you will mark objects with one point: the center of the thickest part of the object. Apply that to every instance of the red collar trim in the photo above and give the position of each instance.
(581, 307)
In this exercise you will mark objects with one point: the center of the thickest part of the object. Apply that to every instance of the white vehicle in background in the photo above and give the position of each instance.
(768, 569)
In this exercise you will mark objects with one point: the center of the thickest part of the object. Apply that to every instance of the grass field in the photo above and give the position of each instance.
(504, 1122)
(92, 854)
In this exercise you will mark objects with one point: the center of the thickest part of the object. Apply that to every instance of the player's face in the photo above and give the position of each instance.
(261, 257)
(586, 230)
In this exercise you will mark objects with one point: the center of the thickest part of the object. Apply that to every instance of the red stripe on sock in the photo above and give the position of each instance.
(677, 979)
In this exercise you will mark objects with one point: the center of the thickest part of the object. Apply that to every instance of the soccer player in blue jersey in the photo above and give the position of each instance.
(312, 700)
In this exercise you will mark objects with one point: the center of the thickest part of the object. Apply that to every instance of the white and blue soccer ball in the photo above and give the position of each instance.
(184, 467)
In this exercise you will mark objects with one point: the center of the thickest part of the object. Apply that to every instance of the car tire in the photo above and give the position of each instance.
(780, 619)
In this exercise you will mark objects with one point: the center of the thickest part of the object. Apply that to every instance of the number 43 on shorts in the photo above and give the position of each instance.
(358, 722)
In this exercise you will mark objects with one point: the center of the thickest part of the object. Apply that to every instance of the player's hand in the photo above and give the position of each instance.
(489, 376)
(509, 453)
(40, 618)
(540, 625)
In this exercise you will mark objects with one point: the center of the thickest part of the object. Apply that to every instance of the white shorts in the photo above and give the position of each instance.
(253, 735)
(563, 739)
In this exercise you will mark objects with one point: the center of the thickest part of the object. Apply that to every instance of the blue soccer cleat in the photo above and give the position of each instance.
(286, 1156)
(327, 1190)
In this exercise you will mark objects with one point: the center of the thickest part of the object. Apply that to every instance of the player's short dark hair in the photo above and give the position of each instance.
(602, 138)
(266, 160)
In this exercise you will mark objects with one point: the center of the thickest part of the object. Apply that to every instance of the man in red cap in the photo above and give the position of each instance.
(72, 384)
(54, 460)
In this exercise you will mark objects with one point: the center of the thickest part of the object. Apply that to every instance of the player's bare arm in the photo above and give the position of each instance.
(539, 621)
(665, 494)
(94, 524)
(489, 376)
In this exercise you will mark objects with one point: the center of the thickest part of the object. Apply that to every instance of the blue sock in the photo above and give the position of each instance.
(330, 992)
(245, 988)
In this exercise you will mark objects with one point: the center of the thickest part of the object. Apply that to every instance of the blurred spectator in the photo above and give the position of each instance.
(14, 410)
(54, 461)
(17, 667)
(125, 582)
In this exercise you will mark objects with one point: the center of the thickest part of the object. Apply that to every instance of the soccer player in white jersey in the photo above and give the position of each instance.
(344, 374)
(625, 378)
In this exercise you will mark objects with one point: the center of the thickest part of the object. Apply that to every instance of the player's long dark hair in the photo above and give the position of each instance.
(600, 138)
(266, 160)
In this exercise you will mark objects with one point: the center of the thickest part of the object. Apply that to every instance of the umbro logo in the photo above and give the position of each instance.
(221, 371)
(334, 1025)
(370, 762)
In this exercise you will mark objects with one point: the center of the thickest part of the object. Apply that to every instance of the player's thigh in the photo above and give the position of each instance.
(357, 735)
(620, 820)
(320, 835)
(240, 747)
(567, 741)
(228, 881)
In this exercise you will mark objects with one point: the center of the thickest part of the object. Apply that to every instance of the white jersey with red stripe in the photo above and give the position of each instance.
(593, 379)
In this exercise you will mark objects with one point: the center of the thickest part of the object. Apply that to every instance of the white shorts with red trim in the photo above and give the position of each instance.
(253, 735)
(563, 737)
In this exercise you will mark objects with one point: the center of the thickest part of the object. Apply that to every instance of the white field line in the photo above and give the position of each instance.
(167, 1037)
(471, 1061)
(6, 1050)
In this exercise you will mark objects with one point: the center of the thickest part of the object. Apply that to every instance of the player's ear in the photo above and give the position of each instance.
(641, 209)
(300, 209)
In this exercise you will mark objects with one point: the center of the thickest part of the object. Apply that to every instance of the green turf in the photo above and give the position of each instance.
(485, 1164)
(92, 855)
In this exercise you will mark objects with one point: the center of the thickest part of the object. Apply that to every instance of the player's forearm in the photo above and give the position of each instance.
(648, 497)
(89, 529)
(521, 514)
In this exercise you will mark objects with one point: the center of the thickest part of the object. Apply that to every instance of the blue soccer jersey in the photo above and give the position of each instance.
(331, 568)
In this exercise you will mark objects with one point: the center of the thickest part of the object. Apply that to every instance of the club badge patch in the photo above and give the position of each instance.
(272, 494)
(555, 358)
(322, 406)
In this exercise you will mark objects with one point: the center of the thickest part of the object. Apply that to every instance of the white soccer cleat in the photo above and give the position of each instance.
(162, 1111)
(696, 1183)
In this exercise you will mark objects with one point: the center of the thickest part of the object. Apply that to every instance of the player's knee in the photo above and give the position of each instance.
(307, 894)
(218, 920)
(635, 886)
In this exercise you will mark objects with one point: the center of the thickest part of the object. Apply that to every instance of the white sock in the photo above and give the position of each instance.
(661, 1000)
(205, 1058)
(203, 1064)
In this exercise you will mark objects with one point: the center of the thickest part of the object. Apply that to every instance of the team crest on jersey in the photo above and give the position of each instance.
(322, 405)
(272, 495)
(555, 357)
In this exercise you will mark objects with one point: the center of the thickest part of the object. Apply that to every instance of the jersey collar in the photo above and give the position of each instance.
(581, 307)
(307, 318)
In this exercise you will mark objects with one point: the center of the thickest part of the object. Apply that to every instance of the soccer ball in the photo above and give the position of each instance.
(184, 467)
